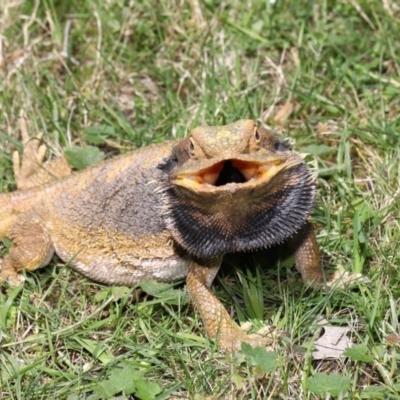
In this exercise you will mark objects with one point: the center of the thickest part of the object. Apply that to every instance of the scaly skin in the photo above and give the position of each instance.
(165, 212)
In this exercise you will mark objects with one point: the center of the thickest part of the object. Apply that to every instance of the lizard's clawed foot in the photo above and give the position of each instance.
(344, 279)
(12, 277)
(32, 157)
(30, 169)
(264, 337)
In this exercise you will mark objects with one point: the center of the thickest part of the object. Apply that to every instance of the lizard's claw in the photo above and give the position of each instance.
(32, 158)
(10, 276)
(264, 337)
(343, 279)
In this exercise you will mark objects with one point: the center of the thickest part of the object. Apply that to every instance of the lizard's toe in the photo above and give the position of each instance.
(343, 279)
(246, 326)
(264, 337)
(16, 279)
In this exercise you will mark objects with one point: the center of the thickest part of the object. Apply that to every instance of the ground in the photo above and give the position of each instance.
(121, 74)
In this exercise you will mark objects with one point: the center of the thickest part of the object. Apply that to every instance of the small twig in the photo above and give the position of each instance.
(19, 56)
(8, 60)
(97, 68)
(63, 54)
(362, 13)
(67, 30)
(281, 82)
(32, 18)
(387, 5)
(197, 13)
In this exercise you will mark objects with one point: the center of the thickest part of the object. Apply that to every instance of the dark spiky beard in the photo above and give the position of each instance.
(260, 220)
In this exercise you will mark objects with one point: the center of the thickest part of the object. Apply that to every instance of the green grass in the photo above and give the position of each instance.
(143, 71)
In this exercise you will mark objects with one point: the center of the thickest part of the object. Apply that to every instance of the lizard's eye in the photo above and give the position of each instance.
(257, 135)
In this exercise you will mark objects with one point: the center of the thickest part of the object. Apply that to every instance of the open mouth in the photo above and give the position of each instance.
(230, 172)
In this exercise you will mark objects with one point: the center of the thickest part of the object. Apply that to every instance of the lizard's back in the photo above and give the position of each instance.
(105, 219)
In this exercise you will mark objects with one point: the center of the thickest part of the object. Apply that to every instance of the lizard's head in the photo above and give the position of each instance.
(233, 188)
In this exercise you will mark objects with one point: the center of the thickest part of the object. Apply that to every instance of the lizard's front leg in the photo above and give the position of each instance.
(305, 248)
(31, 248)
(218, 323)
